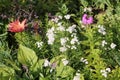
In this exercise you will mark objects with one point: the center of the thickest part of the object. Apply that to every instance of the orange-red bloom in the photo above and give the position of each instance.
(16, 26)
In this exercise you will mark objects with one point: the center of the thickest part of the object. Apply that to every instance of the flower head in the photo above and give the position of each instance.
(16, 26)
(86, 19)
(67, 16)
(101, 29)
(113, 45)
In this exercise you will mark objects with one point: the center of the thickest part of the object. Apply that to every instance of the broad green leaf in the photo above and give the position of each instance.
(26, 55)
(36, 67)
(6, 72)
(64, 71)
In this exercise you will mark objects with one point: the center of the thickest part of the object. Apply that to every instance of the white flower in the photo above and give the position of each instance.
(60, 17)
(60, 27)
(71, 28)
(113, 45)
(77, 76)
(46, 63)
(73, 47)
(39, 44)
(101, 29)
(55, 20)
(104, 43)
(88, 9)
(65, 62)
(67, 16)
(84, 60)
(74, 40)
(108, 69)
(104, 74)
(50, 34)
(63, 49)
(73, 34)
(81, 59)
(63, 41)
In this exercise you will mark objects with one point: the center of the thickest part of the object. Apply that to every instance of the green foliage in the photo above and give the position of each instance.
(26, 56)
(56, 44)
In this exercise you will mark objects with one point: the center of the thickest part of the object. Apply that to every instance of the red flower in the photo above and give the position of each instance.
(16, 26)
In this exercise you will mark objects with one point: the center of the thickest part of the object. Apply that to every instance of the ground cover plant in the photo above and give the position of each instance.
(59, 40)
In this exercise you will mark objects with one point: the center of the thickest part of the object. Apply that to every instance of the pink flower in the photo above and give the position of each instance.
(86, 19)
(17, 26)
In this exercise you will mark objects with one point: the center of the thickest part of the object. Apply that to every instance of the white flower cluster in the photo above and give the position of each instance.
(65, 62)
(63, 49)
(50, 34)
(60, 27)
(101, 29)
(66, 42)
(46, 63)
(104, 43)
(71, 29)
(39, 44)
(77, 76)
(105, 72)
(63, 40)
(74, 40)
(56, 19)
(84, 60)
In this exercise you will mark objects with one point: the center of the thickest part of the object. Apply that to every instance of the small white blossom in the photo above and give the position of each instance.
(84, 60)
(108, 69)
(61, 28)
(39, 44)
(77, 76)
(63, 49)
(104, 43)
(65, 62)
(71, 28)
(73, 34)
(55, 20)
(74, 40)
(63, 41)
(50, 34)
(113, 45)
(88, 9)
(46, 63)
(105, 72)
(101, 29)
(73, 47)
(60, 17)
(67, 16)
(68, 46)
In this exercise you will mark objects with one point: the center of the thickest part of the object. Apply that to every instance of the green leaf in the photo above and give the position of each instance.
(6, 72)
(38, 66)
(26, 56)
(64, 71)
(12, 64)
